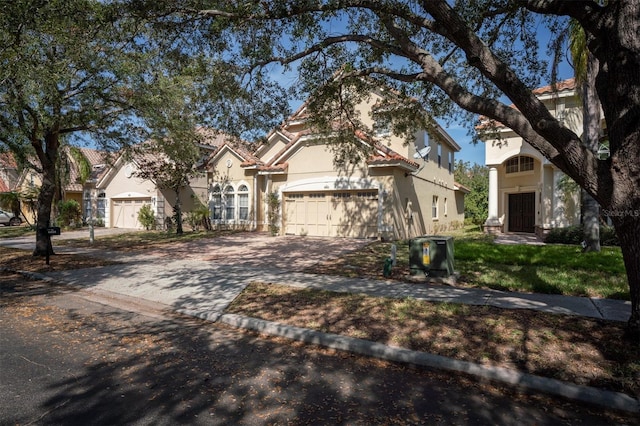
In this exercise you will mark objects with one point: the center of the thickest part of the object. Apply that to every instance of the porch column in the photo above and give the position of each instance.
(492, 223)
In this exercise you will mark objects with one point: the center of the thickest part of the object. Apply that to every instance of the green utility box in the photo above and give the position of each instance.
(431, 255)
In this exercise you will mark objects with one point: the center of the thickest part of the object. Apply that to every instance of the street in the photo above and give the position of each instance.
(68, 358)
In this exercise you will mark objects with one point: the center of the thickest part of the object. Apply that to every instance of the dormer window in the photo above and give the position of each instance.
(519, 164)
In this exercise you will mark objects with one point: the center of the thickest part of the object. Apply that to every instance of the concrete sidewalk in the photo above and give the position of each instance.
(205, 289)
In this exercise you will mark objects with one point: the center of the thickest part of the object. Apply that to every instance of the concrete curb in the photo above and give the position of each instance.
(591, 395)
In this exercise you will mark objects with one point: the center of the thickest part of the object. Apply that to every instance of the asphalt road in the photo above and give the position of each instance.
(66, 359)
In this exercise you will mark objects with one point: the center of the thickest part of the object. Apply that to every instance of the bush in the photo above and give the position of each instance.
(69, 213)
(198, 217)
(146, 217)
(273, 212)
(575, 235)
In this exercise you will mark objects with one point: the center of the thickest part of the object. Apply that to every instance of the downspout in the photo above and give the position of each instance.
(255, 202)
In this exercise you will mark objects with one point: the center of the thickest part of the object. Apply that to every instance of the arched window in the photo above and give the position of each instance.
(229, 203)
(243, 202)
(215, 203)
(519, 164)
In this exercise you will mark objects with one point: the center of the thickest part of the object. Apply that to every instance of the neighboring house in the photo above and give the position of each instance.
(8, 172)
(75, 188)
(524, 191)
(124, 192)
(392, 194)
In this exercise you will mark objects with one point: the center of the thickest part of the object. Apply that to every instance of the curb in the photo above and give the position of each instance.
(587, 394)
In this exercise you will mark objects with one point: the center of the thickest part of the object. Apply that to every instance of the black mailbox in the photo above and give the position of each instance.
(52, 230)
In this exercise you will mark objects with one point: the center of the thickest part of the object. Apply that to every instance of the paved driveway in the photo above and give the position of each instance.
(255, 249)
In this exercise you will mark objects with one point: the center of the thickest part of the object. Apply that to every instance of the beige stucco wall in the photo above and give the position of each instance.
(124, 183)
(552, 208)
(274, 145)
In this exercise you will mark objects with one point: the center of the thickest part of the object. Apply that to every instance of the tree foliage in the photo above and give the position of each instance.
(68, 69)
(476, 178)
(481, 56)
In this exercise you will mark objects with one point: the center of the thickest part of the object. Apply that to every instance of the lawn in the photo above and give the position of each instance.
(552, 268)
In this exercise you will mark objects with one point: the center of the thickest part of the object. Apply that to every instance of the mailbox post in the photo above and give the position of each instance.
(48, 232)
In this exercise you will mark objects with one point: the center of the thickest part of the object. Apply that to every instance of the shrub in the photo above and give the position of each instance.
(198, 217)
(273, 212)
(69, 213)
(575, 235)
(147, 217)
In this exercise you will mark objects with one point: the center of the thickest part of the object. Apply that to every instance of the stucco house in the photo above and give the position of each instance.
(398, 190)
(75, 187)
(524, 191)
(121, 192)
(8, 172)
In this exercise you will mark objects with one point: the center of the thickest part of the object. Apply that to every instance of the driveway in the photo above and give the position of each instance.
(257, 249)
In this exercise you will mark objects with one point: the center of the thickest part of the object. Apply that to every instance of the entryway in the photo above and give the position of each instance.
(522, 209)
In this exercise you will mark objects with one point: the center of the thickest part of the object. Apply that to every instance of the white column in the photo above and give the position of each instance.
(493, 219)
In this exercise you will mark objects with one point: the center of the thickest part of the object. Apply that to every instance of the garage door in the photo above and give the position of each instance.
(342, 214)
(125, 212)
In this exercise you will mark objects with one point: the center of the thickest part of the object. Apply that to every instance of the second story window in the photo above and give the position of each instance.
(519, 164)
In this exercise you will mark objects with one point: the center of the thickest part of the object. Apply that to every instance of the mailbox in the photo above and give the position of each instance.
(50, 230)
(53, 230)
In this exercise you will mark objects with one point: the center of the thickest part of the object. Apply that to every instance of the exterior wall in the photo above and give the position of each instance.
(225, 173)
(273, 147)
(124, 185)
(552, 209)
(312, 159)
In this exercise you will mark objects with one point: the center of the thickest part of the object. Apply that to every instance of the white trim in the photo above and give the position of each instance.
(126, 195)
(524, 149)
(329, 183)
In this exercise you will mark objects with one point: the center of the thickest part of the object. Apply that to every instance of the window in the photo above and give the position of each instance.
(369, 195)
(439, 155)
(519, 164)
(451, 162)
(88, 213)
(101, 206)
(434, 207)
(381, 122)
(215, 204)
(243, 202)
(343, 195)
(229, 203)
(445, 207)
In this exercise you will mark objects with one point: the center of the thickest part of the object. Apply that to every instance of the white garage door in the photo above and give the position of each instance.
(125, 212)
(342, 214)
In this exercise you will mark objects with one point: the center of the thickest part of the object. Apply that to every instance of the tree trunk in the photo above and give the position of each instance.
(178, 213)
(591, 138)
(591, 222)
(47, 155)
(627, 225)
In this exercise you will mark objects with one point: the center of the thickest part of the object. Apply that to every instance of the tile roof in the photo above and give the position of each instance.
(97, 159)
(569, 84)
(3, 186)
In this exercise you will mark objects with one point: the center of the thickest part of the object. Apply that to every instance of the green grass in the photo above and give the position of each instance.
(141, 239)
(555, 269)
(15, 231)
(551, 268)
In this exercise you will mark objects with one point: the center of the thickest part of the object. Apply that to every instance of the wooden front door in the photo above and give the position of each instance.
(522, 209)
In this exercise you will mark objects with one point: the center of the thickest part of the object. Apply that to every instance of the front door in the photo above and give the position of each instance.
(522, 208)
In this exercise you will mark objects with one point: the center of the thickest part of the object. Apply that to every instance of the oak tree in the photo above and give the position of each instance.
(480, 56)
